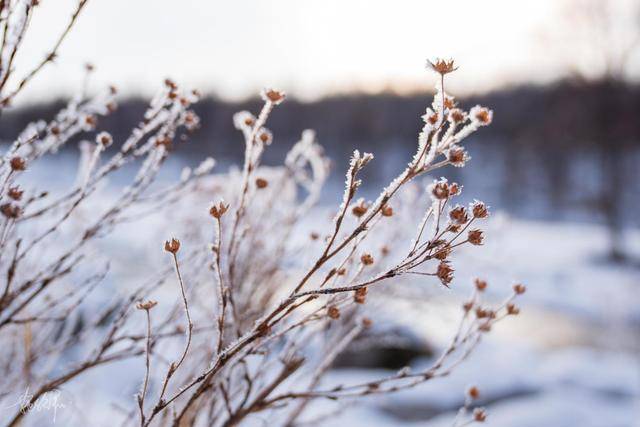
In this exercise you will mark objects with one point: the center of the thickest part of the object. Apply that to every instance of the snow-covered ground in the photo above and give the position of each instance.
(570, 359)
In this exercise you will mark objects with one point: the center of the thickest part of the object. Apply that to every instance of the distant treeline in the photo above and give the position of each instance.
(576, 145)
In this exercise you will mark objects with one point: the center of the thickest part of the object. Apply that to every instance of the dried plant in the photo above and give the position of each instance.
(260, 314)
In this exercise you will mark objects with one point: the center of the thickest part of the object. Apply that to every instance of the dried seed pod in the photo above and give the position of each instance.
(481, 285)
(146, 305)
(333, 312)
(475, 237)
(274, 96)
(18, 163)
(360, 295)
(442, 66)
(217, 211)
(519, 288)
(366, 259)
(261, 183)
(172, 246)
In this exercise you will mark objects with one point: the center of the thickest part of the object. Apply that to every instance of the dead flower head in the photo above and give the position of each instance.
(146, 305)
(104, 139)
(479, 415)
(274, 96)
(18, 163)
(473, 392)
(440, 189)
(458, 215)
(15, 193)
(261, 183)
(519, 288)
(481, 285)
(360, 295)
(442, 66)
(333, 312)
(475, 237)
(10, 210)
(367, 259)
(172, 246)
(360, 208)
(479, 209)
(445, 273)
(386, 210)
(217, 210)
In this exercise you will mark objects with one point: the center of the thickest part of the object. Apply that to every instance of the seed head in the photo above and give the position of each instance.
(217, 211)
(333, 312)
(479, 209)
(104, 139)
(265, 136)
(366, 322)
(360, 295)
(18, 163)
(473, 392)
(386, 210)
(360, 208)
(15, 193)
(440, 189)
(475, 237)
(457, 156)
(442, 66)
(459, 215)
(261, 183)
(457, 116)
(512, 309)
(444, 273)
(481, 285)
(366, 259)
(454, 189)
(272, 95)
(519, 288)
(479, 415)
(10, 210)
(146, 305)
(172, 246)
(481, 116)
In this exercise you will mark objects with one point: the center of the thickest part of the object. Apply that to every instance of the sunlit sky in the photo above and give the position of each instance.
(308, 47)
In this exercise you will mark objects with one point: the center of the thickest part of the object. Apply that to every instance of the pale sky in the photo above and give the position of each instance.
(307, 47)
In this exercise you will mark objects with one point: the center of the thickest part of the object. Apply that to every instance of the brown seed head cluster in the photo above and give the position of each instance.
(440, 189)
(274, 96)
(512, 309)
(146, 305)
(360, 295)
(172, 246)
(10, 210)
(479, 415)
(366, 259)
(442, 66)
(473, 393)
(386, 210)
(458, 215)
(445, 273)
(217, 211)
(104, 139)
(18, 163)
(475, 237)
(481, 285)
(360, 208)
(261, 183)
(15, 193)
(333, 312)
(519, 288)
(480, 210)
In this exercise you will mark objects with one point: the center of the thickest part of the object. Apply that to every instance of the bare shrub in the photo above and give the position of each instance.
(259, 314)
